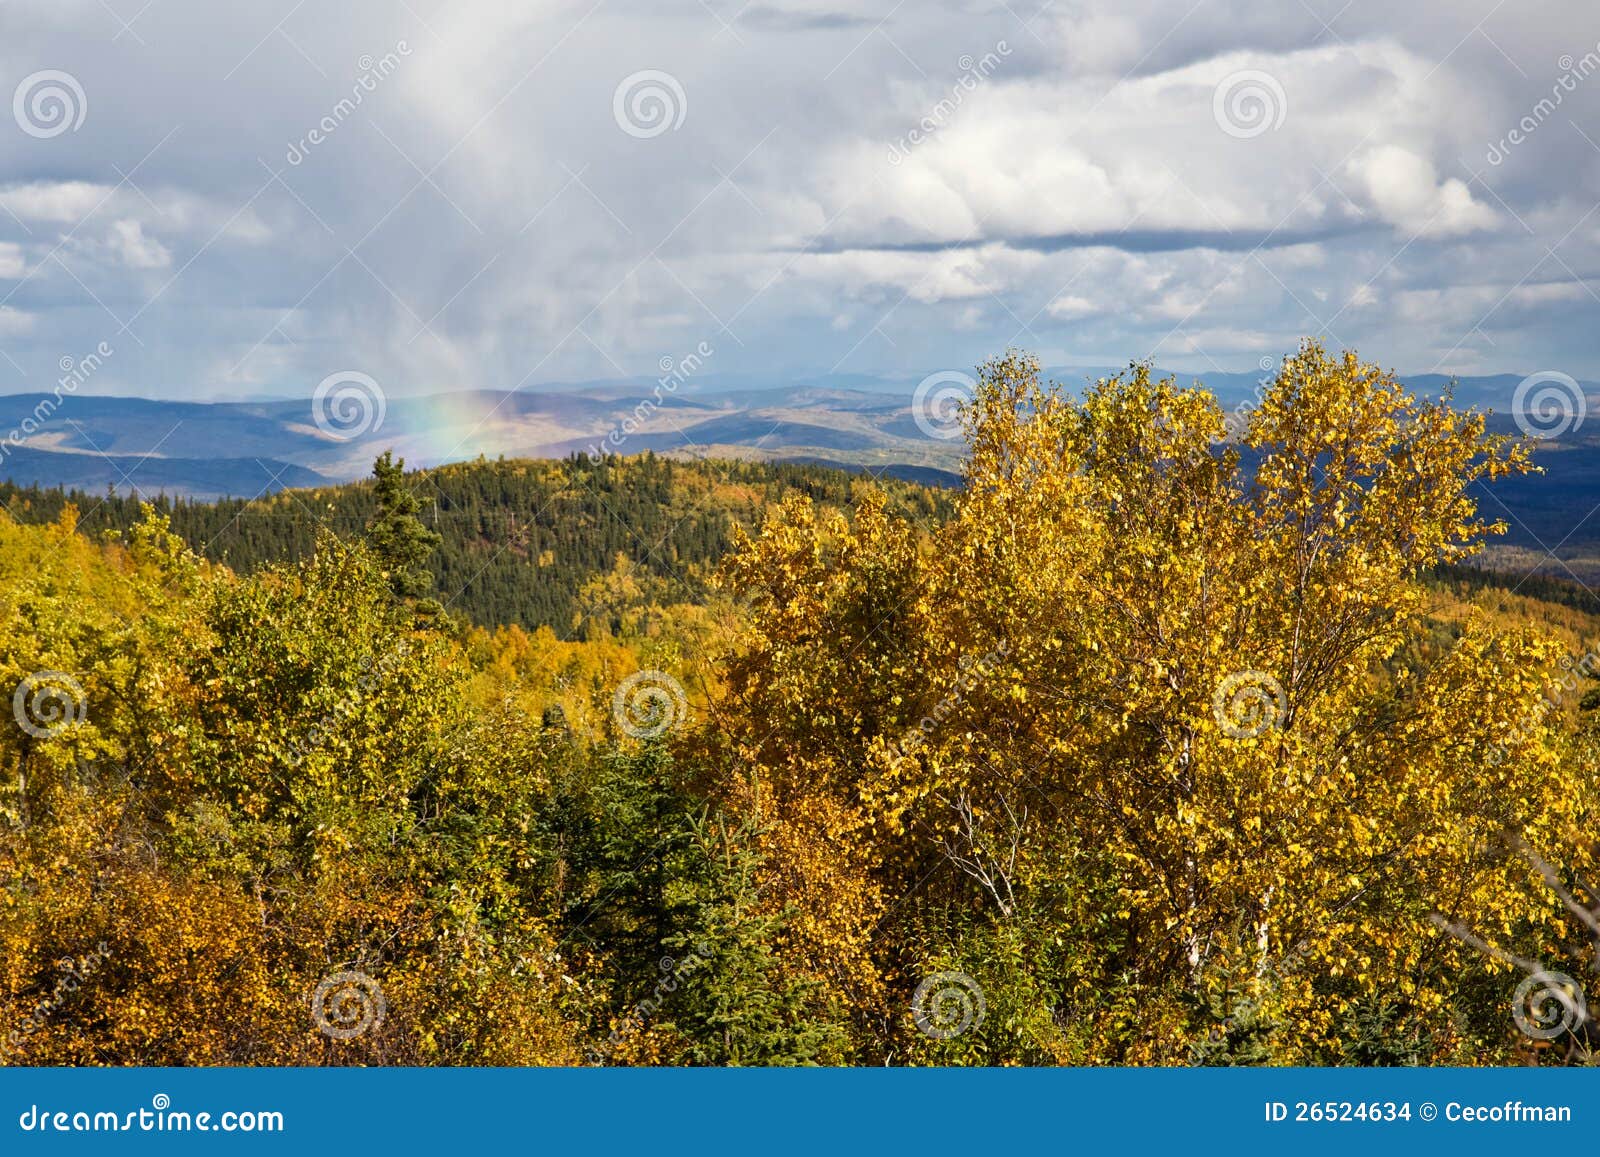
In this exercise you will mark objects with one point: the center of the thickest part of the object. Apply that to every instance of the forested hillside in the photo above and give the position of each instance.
(518, 539)
(1141, 748)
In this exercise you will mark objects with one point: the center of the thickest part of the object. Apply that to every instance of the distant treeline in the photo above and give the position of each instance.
(1545, 588)
(520, 537)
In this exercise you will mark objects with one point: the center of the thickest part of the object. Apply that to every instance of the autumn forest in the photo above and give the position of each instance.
(1172, 736)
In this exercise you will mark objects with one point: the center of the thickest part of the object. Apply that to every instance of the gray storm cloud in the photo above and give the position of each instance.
(243, 199)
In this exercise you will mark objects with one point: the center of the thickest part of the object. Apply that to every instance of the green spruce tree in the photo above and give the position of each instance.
(736, 1002)
(396, 535)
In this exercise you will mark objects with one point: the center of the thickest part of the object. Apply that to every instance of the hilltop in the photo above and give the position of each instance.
(521, 538)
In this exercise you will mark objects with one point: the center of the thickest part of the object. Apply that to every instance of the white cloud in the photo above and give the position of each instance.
(1228, 341)
(130, 245)
(15, 321)
(948, 275)
(1071, 307)
(1404, 190)
(12, 262)
(1364, 296)
(54, 202)
(1030, 156)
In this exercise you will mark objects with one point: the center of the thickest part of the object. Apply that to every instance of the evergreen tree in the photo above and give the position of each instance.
(737, 1002)
(645, 810)
(1238, 1028)
(396, 535)
(695, 948)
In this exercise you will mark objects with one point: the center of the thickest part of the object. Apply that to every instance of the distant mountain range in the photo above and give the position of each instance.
(854, 422)
(145, 474)
(241, 449)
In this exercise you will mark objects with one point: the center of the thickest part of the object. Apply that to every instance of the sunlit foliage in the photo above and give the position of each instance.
(1159, 742)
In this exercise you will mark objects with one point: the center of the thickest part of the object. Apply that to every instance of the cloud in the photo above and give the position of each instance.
(54, 202)
(1040, 160)
(12, 262)
(949, 275)
(135, 250)
(15, 321)
(1405, 190)
(803, 17)
(1071, 307)
(479, 219)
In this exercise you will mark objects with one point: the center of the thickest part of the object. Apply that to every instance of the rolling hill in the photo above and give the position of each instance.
(522, 541)
(242, 450)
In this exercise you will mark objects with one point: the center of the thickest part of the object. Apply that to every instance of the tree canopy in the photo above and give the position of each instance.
(1158, 742)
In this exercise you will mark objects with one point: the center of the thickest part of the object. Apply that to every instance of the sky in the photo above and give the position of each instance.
(237, 200)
